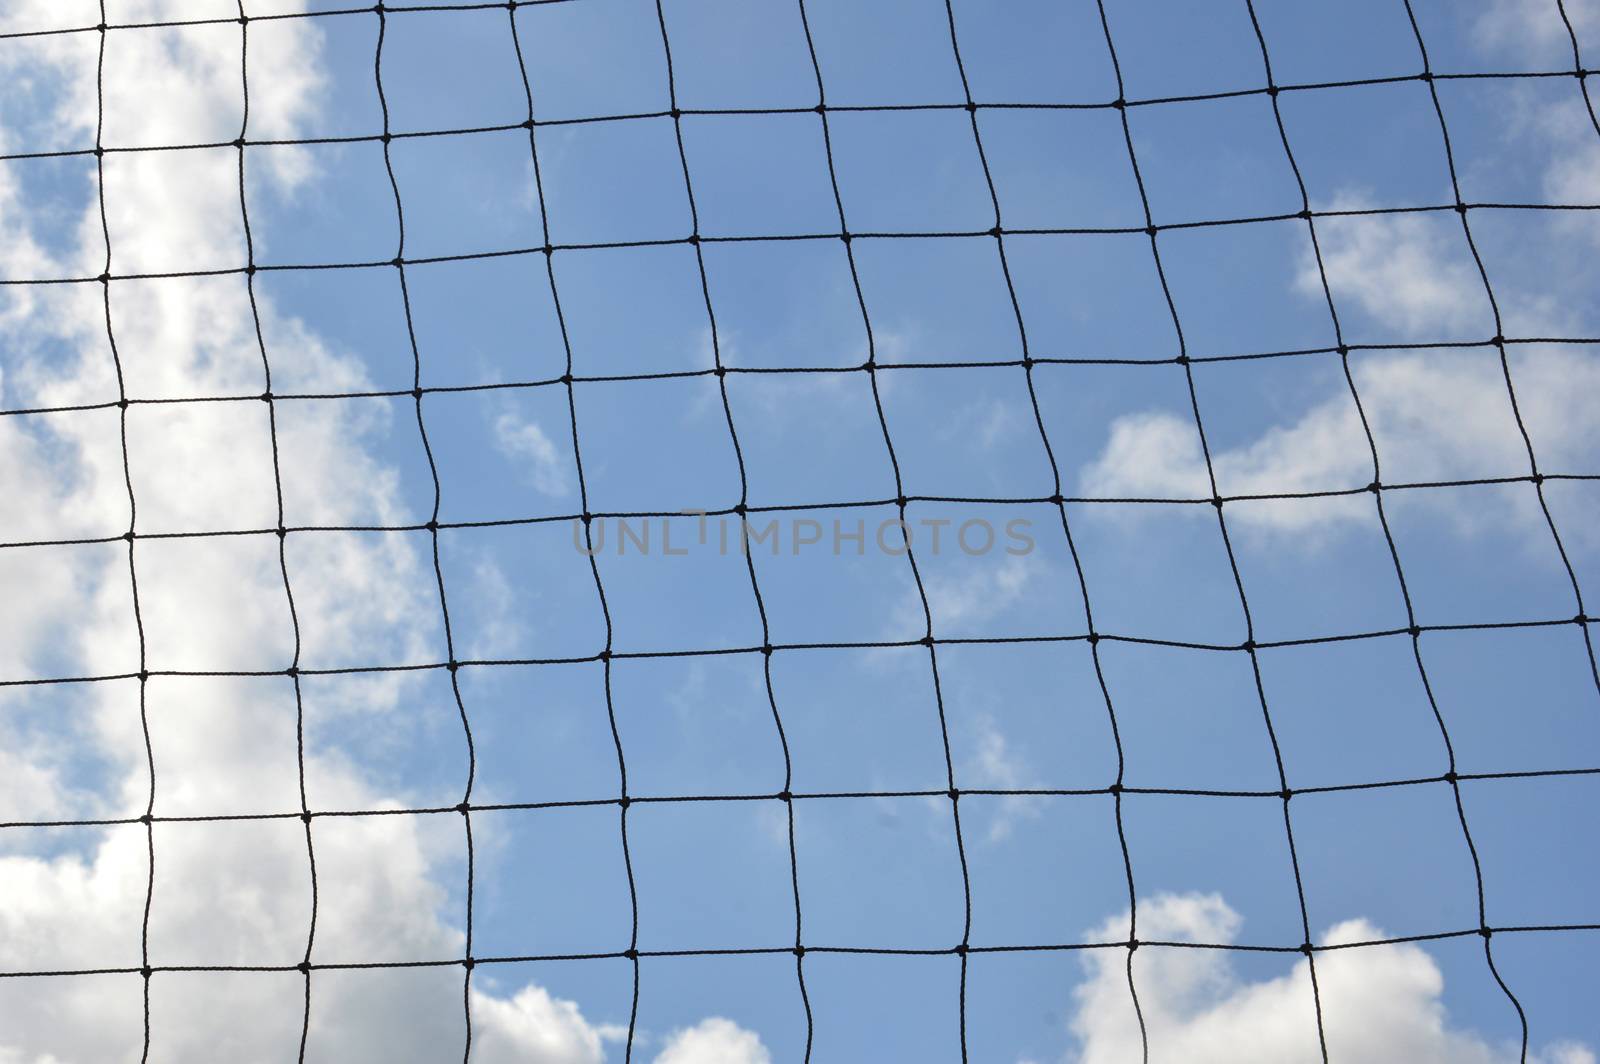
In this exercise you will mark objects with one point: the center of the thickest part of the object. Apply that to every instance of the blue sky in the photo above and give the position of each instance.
(1028, 713)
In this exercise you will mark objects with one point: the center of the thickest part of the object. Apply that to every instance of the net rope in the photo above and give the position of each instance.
(767, 648)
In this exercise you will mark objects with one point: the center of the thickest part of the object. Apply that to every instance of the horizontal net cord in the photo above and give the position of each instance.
(732, 112)
(741, 510)
(718, 371)
(870, 367)
(788, 796)
(888, 644)
(883, 951)
(763, 238)
(388, 9)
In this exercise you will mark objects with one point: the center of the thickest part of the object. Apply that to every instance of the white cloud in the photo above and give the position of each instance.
(996, 765)
(30, 788)
(1575, 176)
(968, 595)
(1407, 271)
(498, 630)
(1380, 1004)
(532, 1025)
(235, 892)
(1532, 29)
(1572, 172)
(714, 1041)
(987, 423)
(524, 441)
(1434, 415)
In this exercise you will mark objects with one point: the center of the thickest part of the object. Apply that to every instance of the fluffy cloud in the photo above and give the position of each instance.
(1380, 1004)
(714, 1041)
(532, 1025)
(235, 892)
(1406, 271)
(1434, 416)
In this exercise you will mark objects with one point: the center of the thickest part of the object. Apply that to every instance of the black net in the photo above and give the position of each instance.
(1059, 499)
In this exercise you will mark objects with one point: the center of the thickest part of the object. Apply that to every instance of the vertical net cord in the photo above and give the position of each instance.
(1577, 65)
(147, 818)
(1499, 326)
(1594, 120)
(632, 952)
(1061, 509)
(1383, 521)
(961, 948)
(740, 509)
(1538, 480)
(1306, 947)
(464, 807)
(282, 533)
(1533, 465)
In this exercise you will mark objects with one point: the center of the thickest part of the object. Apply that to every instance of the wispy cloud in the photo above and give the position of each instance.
(996, 764)
(525, 443)
(1380, 1004)
(1533, 29)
